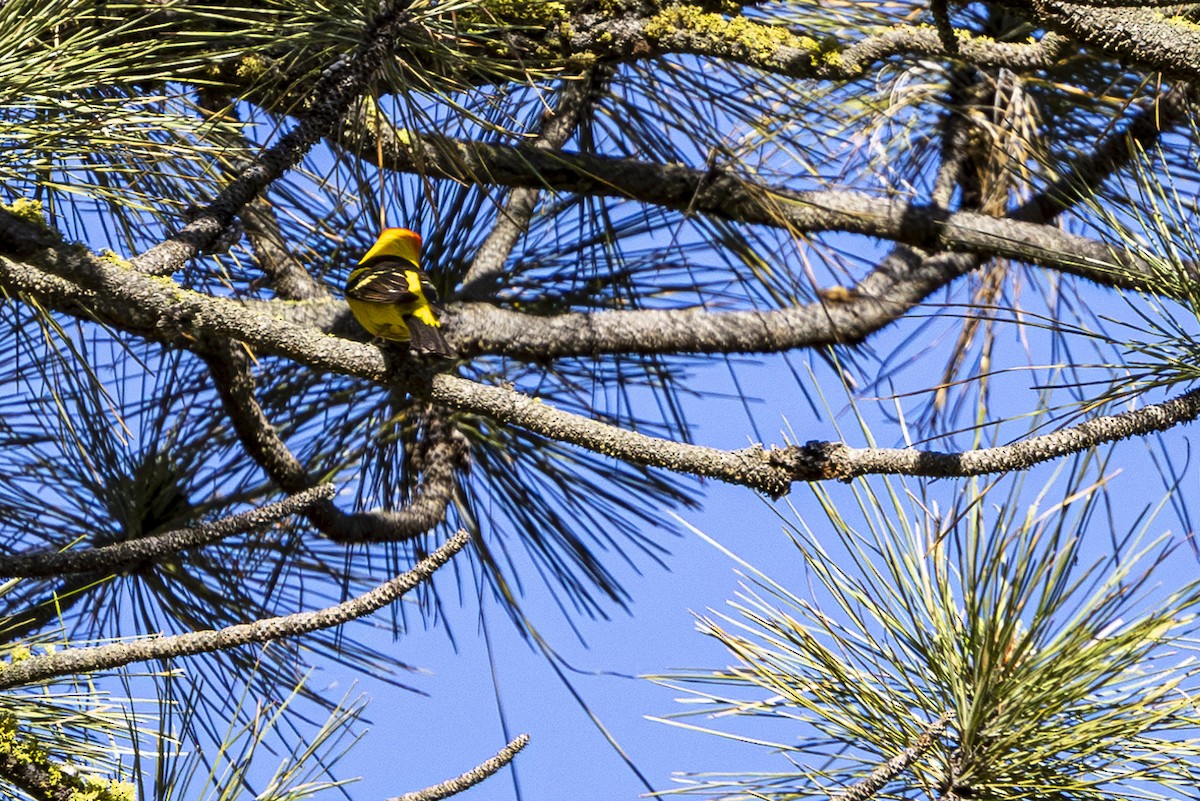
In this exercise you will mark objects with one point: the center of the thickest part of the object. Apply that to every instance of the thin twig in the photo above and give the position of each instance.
(122, 554)
(77, 661)
(943, 25)
(893, 767)
(470, 778)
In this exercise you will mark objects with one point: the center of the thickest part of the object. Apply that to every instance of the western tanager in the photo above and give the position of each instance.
(392, 298)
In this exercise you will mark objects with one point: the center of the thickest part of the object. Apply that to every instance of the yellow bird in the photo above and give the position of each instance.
(392, 298)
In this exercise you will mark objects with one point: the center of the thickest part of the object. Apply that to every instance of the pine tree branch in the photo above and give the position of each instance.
(331, 97)
(738, 199)
(773, 471)
(120, 555)
(889, 770)
(454, 786)
(883, 297)
(681, 28)
(182, 317)
(77, 661)
(163, 311)
(825, 460)
(231, 371)
(24, 764)
(1142, 36)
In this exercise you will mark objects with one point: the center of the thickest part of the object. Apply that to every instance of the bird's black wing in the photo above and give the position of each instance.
(383, 281)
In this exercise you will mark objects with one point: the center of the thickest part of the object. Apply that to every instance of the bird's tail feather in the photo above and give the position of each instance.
(427, 338)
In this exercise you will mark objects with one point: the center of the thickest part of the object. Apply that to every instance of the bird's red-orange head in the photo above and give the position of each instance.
(398, 242)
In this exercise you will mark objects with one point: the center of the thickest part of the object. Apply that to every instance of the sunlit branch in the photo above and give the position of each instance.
(825, 460)
(894, 766)
(173, 314)
(335, 90)
(1143, 36)
(883, 297)
(749, 467)
(736, 198)
(166, 312)
(773, 471)
(106, 657)
(683, 28)
(471, 778)
(162, 311)
(119, 555)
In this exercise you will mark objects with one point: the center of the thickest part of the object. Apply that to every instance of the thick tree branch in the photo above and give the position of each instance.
(160, 309)
(901, 281)
(454, 786)
(155, 302)
(880, 299)
(681, 28)
(121, 555)
(773, 471)
(738, 199)
(1143, 36)
(749, 467)
(106, 657)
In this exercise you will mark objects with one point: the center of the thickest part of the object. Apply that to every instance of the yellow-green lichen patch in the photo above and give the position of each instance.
(113, 258)
(16, 748)
(523, 12)
(19, 653)
(28, 210)
(104, 790)
(251, 68)
(1182, 22)
(21, 750)
(737, 36)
